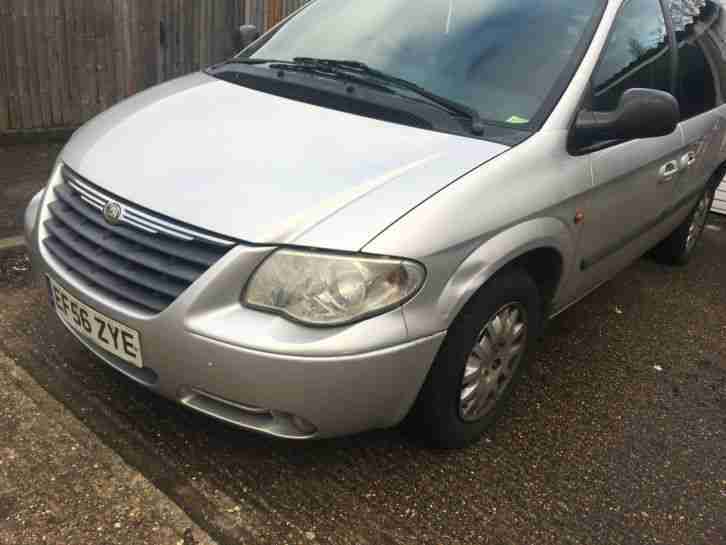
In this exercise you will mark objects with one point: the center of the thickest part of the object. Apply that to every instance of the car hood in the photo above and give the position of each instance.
(266, 169)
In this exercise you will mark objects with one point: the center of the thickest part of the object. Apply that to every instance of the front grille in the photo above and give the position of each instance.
(145, 260)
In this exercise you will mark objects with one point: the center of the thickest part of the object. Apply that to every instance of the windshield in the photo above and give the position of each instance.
(501, 57)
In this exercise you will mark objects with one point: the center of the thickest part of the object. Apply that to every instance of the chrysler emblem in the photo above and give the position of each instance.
(113, 212)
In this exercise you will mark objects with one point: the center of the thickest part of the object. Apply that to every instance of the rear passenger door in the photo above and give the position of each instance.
(633, 180)
(700, 30)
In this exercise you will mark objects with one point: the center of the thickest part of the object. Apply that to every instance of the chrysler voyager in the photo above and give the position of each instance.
(366, 217)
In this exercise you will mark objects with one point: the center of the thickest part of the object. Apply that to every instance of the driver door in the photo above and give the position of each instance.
(633, 180)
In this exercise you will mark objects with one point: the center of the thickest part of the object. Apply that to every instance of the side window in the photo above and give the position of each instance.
(700, 59)
(638, 54)
(696, 86)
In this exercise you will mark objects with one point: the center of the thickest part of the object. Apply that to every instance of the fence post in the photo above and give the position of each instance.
(274, 13)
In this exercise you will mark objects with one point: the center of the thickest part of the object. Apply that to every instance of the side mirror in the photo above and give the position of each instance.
(641, 113)
(247, 34)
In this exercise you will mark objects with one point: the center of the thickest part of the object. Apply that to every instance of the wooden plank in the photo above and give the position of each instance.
(70, 91)
(168, 15)
(199, 38)
(100, 30)
(217, 37)
(197, 14)
(39, 60)
(186, 38)
(82, 78)
(146, 65)
(276, 11)
(172, 50)
(137, 46)
(6, 83)
(87, 78)
(124, 8)
(105, 60)
(24, 99)
(130, 43)
(182, 39)
(79, 81)
(24, 102)
(31, 67)
(212, 26)
(117, 50)
(160, 12)
(63, 64)
(21, 62)
(15, 106)
(55, 81)
(220, 32)
(204, 35)
(153, 42)
(208, 33)
(160, 52)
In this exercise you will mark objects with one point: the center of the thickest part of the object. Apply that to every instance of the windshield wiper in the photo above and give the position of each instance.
(309, 68)
(477, 125)
(246, 60)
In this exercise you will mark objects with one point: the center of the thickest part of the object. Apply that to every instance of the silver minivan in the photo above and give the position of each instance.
(367, 216)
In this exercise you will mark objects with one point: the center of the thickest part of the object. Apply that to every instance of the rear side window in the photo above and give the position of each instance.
(638, 54)
(700, 37)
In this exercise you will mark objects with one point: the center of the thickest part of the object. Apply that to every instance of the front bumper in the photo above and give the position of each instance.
(255, 370)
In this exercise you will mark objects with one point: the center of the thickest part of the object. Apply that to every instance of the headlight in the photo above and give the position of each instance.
(330, 290)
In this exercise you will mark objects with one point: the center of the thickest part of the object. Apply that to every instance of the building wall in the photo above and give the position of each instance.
(64, 61)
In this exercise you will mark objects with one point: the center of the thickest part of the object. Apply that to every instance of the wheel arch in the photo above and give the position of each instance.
(543, 247)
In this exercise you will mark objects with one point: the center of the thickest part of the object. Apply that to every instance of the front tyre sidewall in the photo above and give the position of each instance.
(437, 409)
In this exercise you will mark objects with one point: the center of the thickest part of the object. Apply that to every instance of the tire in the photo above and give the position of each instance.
(439, 415)
(678, 248)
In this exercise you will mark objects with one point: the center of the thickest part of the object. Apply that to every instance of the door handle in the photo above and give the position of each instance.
(668, 170)
(689, 159)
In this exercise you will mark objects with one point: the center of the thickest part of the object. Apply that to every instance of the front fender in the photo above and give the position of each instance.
(497, 253)
(480, 265)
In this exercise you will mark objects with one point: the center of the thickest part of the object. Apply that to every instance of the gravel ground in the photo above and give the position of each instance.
(24, 169)
(617, 435)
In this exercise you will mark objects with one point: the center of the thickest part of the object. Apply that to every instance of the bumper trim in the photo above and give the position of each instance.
(276, 424)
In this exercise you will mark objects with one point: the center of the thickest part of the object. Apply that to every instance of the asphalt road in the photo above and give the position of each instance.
(617, 436)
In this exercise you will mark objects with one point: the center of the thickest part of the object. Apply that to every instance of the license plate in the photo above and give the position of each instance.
(118, 339)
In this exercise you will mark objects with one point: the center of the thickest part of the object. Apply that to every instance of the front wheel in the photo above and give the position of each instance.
(480, 362)
(678, 248)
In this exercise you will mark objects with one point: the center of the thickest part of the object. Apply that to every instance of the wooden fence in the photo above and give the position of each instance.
(64, 61)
